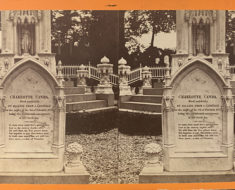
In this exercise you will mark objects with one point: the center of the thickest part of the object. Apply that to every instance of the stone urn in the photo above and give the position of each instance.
(153, 150)
(75, 151)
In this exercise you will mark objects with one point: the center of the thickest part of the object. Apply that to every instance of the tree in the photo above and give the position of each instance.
(230, 35)
(142, 22)
(138, 23)
(70, 33)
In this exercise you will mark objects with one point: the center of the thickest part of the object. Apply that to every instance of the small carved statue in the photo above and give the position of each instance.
(201, 36)
(26, 41)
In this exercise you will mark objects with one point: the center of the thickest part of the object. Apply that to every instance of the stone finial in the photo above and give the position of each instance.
(82, 67)
(105, 60)
(145, 68)
(122, 61)
(166, 60)
(59, 63)
(157, 60)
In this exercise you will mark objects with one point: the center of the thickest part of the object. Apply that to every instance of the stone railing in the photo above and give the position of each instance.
(158, 72)
(135, 75)
(70, 71)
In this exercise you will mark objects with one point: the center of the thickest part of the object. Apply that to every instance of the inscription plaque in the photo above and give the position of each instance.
(198, 114)
(29, 114)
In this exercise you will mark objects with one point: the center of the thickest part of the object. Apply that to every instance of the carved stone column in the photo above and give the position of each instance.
(147, 77)
(123, 71)
(104, 69)
(82, 74)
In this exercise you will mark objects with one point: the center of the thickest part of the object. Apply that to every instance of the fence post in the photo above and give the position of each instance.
(89, 69)
(140, 71)
(123, 72)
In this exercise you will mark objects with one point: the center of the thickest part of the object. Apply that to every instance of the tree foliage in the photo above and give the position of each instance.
(69, 31)
(230, 35)
(145, 21)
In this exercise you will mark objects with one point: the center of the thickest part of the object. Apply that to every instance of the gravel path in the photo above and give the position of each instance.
(112, 157)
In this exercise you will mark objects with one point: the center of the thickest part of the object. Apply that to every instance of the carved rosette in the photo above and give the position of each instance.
(227, 103)
(168, 103)
(60, 103)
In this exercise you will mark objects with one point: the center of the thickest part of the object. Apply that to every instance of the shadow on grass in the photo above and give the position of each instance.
(127, 123)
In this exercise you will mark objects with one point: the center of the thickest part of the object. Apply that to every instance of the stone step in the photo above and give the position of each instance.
(152, 91)
(74, 90)
(96, 110)
(136, 111)
(77, 106)
(141, 106)
(79, 97)
(147, 98)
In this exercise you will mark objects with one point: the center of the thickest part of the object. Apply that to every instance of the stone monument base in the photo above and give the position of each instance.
(45, 178)
(125, 90)
(186, 177)
(104, 89)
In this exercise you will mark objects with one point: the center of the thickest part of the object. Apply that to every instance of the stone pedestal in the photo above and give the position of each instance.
(74, 164)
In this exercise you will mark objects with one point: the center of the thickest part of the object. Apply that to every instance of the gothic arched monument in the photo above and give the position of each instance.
(197, 105)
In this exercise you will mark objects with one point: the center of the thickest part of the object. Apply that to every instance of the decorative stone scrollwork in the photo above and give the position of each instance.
(1, 74)
(219, 62)
(39, 14)
(2, 103)
(60, 102)
(46, 62)
(180, 62)
(19, 16)
(227, 103)
(6, 64)
(168, 103)
(204, 15)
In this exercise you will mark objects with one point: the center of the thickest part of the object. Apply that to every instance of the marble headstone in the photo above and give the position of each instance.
(198, 120)
(32, 119)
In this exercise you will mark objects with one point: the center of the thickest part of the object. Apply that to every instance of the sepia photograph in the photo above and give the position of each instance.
(117, 96)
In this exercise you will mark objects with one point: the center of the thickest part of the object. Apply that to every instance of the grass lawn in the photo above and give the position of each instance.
(113, 157)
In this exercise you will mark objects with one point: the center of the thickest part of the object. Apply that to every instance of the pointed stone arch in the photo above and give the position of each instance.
(34, 64)
(201, 64)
